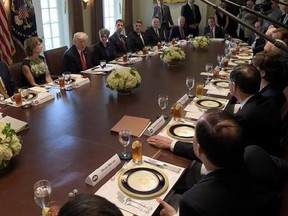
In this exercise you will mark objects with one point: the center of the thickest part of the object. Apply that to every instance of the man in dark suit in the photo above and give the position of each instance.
(77, 57)
(163, 12)
(136, 39)
(154, 34)
(118, 39)
(284, 17)
(213, 31)
(192, 16)
(179, 31)
(258, 115)
(6, 81)
(256, 42)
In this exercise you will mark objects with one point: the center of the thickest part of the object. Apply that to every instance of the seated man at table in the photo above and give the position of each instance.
(136, 39)
(118, 40)
(7, 83)
(233, 173)
(89, 205)
(77, 57)
(225, 189)
(179, 31)
(213, 31)
(154, 34)
(257, 42)
(259, 116)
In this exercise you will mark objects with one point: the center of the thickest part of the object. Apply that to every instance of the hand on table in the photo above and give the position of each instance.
(167, 210)
(160, 141)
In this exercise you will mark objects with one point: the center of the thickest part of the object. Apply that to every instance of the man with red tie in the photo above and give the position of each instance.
(77, 57)
(179, 31)
(213, 31)
(118, 40)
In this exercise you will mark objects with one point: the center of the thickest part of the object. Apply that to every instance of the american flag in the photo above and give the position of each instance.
(7, 48)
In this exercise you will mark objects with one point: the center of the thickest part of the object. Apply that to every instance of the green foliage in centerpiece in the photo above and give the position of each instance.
(172, 55)
(200, 42)
(123, 79)
(10, 144)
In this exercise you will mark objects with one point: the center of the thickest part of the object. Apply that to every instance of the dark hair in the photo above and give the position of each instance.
(219, 135)
(119, 20)
(247, 78)
(271, 64)
(137, 21)
(89, 205)
(30, 44)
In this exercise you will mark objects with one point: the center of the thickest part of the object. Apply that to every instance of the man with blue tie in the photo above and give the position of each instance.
(136, 39)
(179, 31)
(213, 31)
(192, 16)
(118, 40)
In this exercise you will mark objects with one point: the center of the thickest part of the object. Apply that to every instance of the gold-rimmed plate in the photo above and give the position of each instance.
(240, 61)
(66, 82)
(143, 182)
(220, 84)
(181, 131)
(207, 103)
(32, 96)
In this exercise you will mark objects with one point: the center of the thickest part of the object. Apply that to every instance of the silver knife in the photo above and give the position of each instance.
(163, 165)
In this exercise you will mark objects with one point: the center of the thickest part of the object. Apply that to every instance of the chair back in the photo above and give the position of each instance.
(17, 75)
(54, 60)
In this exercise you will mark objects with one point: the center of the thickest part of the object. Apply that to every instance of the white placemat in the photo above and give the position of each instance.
(214, 90)
(110, 189)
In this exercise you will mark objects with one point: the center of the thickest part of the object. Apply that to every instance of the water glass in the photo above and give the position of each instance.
(102, 63)
(190, 82)
(124, 138)
(42, 193)
(163, 103)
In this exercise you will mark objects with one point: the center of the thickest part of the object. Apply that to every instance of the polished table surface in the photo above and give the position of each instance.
(70, 137)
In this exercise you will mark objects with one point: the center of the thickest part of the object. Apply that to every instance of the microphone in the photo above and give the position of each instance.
(272, 40)
(243, 8)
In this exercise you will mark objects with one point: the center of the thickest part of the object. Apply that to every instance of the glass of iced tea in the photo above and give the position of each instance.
(18, 98)
(61, 80)
(199, 90)
(137, 152)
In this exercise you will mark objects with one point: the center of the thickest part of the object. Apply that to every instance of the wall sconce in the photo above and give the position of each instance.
(85, 3)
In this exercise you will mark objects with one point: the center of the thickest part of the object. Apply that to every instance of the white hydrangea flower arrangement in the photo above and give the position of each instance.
(201, 41)
(123, 79)
(172, 55)
(10, 144)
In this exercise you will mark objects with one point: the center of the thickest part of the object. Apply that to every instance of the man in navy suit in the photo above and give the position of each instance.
(118, 40)
(256, 42)
(77, 57)
(212, 30)
(192, 16)
(136, 39)
(179, 31)
(163, 12)
(284, 17)
(154, 34)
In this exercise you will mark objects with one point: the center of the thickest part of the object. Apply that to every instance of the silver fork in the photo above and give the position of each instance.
(135, 205)
(128, 199)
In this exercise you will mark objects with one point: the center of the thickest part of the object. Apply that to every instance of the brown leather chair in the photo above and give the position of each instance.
(17, 75)
(54, 60)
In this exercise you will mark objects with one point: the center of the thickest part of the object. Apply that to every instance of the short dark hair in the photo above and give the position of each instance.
(137, 21)
(219, 135)
(271, 64)
(89, 205)
(119, 20)
(30, 44)
(247, 78)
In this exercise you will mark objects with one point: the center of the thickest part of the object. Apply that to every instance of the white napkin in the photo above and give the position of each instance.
(42, 98)
(110, 188)
(212, 89)
(99, 70)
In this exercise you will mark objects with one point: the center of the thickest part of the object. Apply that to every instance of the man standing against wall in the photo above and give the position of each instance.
(192, 16)
(163, 12)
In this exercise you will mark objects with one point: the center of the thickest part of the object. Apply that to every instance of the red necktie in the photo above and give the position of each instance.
(83, 61)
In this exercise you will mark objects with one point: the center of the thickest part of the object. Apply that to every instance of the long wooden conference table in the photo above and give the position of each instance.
(69, 137)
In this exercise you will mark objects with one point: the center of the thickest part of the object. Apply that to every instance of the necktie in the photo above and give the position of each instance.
(285, 19)
(123, 43)
(157, 32)
(140, 35)
(211, 33)
(182, 34)
(83, 61)
(3, 90)
(193, 12)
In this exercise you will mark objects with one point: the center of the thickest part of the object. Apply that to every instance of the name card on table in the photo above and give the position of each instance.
(80, 82)
(155, 126)
(102, 171)
(42, 98)
(183, 99)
